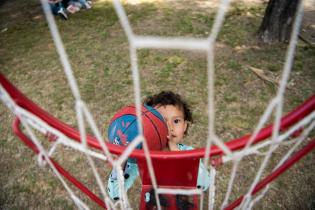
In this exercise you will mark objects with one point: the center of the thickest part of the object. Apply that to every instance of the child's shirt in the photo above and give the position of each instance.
(203, 180)
(131, 172)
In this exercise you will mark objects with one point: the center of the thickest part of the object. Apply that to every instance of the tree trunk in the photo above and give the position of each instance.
(278, 20)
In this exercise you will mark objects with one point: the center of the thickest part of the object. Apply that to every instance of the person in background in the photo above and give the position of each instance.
(76, 5)
(58, 7)
(63, 7)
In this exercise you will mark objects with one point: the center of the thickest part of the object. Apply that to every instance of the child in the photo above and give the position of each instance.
(177, 116)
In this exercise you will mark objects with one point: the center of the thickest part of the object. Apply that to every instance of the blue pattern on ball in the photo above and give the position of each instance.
(123, 130)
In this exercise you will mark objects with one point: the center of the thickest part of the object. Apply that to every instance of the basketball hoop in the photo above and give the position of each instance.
(178, 185)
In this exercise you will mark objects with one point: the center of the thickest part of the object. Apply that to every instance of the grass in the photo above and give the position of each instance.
(99, 55)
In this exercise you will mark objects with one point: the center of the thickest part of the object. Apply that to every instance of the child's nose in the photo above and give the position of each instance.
(170, 127)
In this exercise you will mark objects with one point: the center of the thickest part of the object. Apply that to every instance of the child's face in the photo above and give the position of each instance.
(175, 120)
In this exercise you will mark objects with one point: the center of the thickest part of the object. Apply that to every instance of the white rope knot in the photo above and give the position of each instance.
(41, 159)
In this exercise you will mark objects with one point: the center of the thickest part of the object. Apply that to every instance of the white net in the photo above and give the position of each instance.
(85, 120)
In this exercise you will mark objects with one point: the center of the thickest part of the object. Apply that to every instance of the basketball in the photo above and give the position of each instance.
(123, 127)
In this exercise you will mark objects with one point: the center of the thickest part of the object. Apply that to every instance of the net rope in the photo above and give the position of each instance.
(85, 120)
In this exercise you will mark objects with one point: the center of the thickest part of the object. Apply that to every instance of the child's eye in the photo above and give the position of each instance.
(177, 121)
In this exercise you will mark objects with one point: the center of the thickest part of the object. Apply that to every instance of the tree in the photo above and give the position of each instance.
(278, 20)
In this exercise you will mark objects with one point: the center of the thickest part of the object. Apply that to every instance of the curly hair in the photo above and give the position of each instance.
(170, 98)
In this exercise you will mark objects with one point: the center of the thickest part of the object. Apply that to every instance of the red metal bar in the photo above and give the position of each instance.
(285, 166)
(60, 169)
(300, 112)
(287, 121)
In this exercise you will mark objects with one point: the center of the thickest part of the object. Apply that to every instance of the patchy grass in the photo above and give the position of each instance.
(99, 55)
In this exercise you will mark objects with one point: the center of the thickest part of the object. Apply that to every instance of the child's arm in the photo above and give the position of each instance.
(203, 180)
(131, 172)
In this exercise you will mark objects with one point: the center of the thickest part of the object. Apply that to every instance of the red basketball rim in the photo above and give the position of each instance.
(288, 120)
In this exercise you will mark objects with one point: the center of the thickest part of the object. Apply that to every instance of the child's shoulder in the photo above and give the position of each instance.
(184, 147)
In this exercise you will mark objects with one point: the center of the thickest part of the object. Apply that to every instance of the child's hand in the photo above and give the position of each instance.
(172, 145)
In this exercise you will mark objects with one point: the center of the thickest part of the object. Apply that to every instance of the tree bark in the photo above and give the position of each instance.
(278, 20)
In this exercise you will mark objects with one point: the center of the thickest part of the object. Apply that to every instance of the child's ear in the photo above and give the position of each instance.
(186, 127)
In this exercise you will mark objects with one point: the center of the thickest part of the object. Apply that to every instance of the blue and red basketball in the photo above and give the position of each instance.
(123, 127)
